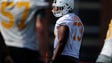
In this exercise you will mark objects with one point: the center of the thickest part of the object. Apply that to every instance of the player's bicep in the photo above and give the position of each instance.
(39, 24)
(63, 33)
(40, 19)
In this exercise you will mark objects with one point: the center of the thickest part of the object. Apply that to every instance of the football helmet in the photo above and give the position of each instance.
(62, 7)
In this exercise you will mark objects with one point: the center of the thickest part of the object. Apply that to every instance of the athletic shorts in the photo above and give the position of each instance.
(65, 59)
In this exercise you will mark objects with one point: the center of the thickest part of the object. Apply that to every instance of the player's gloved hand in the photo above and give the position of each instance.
(8, 59)
(103, 59)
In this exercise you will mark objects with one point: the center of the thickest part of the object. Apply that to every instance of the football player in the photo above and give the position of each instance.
(105, 55)
(22, 27)
(68, 32)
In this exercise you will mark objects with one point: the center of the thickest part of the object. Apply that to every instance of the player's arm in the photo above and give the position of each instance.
(42, 34)
(63, 33)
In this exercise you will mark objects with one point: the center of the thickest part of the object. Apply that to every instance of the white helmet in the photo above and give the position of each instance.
(62, 7)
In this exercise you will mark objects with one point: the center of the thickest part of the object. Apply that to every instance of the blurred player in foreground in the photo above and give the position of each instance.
(68, 32)
(23, 30)
(105, 55)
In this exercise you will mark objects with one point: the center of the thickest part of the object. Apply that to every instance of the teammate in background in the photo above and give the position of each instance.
(22, 25)
(105, 55)
(68, 32)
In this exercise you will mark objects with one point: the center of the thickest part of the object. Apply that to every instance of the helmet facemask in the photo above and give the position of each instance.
(57, 11)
